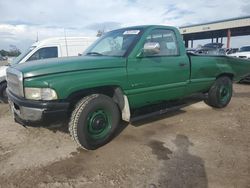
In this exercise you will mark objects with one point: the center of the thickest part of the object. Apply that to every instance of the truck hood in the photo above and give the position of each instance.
(68, 64)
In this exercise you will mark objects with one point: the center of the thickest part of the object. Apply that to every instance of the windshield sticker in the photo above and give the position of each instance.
(131, 32)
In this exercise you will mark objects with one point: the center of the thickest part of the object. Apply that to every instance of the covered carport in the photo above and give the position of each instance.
(216, 30)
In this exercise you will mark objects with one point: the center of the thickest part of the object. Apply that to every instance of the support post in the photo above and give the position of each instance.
(186, 43)
(192, 43)
(228, 38)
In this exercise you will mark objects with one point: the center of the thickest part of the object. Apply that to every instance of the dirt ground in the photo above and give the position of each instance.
(196, 146)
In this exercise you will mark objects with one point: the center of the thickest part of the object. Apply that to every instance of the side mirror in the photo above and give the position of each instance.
(150, 48)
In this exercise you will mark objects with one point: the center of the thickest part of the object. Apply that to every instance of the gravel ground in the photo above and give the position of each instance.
(196, 146)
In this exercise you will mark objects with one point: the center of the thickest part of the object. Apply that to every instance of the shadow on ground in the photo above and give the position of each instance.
(179, 168)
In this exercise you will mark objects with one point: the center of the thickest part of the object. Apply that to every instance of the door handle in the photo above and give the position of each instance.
(182, 64)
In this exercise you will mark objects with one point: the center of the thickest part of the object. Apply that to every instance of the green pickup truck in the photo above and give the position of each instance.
(124, 70)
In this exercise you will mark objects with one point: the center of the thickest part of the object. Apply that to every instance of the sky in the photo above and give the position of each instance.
(21, 21)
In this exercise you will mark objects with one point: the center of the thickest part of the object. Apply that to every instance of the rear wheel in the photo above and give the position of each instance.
(220, 93)
(94, 121)
(3, 93)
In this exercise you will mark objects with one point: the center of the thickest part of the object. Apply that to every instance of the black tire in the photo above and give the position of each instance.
(92, 114)
(220, 93)
(3, 94)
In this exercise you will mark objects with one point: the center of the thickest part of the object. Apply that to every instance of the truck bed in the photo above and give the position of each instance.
(211, 66)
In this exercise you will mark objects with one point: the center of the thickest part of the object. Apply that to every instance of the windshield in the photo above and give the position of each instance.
(115, 43)
(22, 55)
(245, 49)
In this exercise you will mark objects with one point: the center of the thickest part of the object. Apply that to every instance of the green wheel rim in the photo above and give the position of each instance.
(99, 124)
(224, 93)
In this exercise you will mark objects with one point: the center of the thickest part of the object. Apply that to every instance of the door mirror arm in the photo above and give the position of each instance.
(140, 54)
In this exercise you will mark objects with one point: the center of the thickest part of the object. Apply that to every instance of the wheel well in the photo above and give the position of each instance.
(230, 75)
(113, 92)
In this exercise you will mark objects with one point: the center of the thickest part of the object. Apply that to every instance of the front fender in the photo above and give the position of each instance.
(70, 82)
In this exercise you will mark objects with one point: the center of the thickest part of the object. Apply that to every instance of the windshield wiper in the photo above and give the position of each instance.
(94, 53)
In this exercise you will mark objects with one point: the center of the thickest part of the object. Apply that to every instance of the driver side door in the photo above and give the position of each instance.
(158, 77)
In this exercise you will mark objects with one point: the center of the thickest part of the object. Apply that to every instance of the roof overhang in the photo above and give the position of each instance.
(240, 22)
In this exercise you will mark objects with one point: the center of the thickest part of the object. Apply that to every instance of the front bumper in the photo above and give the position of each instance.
(29, 112)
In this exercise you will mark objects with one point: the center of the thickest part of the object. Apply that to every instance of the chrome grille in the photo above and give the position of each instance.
(15, 81)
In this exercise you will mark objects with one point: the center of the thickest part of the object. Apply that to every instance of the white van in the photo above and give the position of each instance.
(48, 48)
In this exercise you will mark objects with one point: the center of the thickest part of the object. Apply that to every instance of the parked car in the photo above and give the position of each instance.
(125, 70)
(190, 50)
(211, 49)
(44, 49)
(231, 50)
(244, 52)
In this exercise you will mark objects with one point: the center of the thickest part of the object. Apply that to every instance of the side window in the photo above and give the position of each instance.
(44, 53)
(167, 41)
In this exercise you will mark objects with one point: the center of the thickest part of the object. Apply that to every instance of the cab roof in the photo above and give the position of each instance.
(147, 27)
(62, 39)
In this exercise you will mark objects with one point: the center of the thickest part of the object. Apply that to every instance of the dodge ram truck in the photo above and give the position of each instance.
(124, 70)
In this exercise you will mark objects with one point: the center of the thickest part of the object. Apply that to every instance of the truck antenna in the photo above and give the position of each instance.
(37, 36)
(66, 42)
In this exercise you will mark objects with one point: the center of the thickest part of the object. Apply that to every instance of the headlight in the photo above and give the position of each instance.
(40, 93)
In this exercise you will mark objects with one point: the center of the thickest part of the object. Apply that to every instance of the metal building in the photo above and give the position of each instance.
(216, 30)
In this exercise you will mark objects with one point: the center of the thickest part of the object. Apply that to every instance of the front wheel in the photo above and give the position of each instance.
(220, 93)
(94, 121)
(3, 93)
